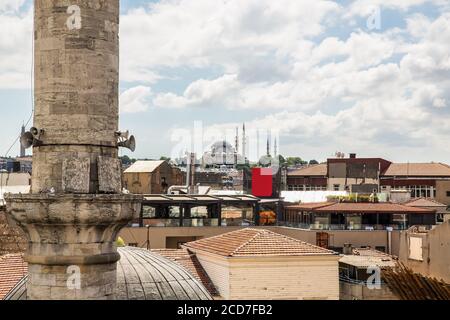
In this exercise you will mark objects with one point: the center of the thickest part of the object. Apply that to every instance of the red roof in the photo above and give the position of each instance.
(318, 170)
(12, 270)
(309, 206)
(255, 242)
(417, 170)
(424, 202)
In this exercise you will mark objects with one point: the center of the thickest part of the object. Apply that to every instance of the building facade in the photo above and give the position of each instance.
(369, 175)
(151, 177)
(257, 264)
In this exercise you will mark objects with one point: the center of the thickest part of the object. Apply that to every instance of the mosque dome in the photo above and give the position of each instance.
(144, 275)
(221, 147)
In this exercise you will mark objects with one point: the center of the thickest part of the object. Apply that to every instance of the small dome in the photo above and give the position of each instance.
(144, 275)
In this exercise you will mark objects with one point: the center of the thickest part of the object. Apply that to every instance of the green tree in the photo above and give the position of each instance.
(126, 160)
(295, 161)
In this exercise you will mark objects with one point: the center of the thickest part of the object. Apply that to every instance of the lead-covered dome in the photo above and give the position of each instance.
(144, 275)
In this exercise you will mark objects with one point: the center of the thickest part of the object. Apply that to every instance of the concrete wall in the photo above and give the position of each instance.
(159, 236)
(435, 252)
(150, 182)
(349, 291)
(273, 278)
(343, 182)
(284, 278)
(218, 270)
(442, 186)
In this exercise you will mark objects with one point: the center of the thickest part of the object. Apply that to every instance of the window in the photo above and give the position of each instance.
(415, 249)
(448, 193)
(336, 187)
(148, 212)
(419, 191)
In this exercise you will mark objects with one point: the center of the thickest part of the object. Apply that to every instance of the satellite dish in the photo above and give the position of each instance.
(129, 144)
(26, 140)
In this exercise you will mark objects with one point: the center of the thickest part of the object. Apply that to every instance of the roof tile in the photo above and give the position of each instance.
(256, 242)
(12, 269)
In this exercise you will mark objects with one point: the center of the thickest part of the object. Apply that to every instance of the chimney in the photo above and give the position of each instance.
(348, 249)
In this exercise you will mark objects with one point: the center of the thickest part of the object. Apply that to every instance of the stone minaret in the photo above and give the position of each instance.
(244, 143)
(76, 208)
(22, 148)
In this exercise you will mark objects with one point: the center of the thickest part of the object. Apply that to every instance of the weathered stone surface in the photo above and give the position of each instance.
(109, 175)
(76, 88)
(76, 104)
(72, 229)
(75, 175)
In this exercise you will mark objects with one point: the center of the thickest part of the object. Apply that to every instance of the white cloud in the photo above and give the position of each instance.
(365, 8)
(11, 6)
(15, 47)
(221, 33)
(289, 60)
(135, 100)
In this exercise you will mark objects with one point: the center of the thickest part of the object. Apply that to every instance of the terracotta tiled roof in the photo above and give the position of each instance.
(12, 270)
(314, 170)
(383, 207)
(255, 242)
(190, 262)
(418, 170)
(424, 202)
(309, 206)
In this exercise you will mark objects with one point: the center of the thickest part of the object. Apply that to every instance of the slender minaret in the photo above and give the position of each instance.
(275, 148)
(244, 143)
(268, 142)
(257, 144)
(22, 148)
(236, 148)
(76, 208)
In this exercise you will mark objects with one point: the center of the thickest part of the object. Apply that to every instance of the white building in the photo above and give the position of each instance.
(257, 264)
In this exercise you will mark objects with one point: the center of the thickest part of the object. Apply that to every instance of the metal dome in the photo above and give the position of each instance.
(144, 275)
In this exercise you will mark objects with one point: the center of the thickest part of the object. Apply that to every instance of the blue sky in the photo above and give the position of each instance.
(316, 72)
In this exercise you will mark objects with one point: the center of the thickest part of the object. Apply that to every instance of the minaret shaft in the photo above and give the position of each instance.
(76, 208)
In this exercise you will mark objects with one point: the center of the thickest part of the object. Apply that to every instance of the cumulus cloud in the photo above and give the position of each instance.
(205, 33)
(295, 65)
(135, 99)
(15, 46)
